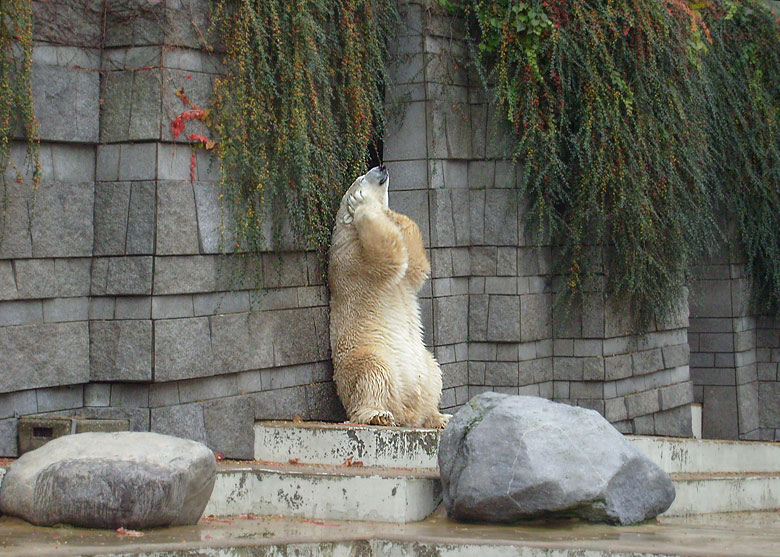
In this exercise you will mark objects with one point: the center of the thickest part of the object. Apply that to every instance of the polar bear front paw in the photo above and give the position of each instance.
(438, 421)
(354, 201)
(381, 417)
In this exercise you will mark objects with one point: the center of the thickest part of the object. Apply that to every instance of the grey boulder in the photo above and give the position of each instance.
(110, 480)
(505, 458)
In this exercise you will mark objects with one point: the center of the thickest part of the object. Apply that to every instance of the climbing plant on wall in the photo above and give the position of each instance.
(16, 104)
(634, 120)
(298, 107)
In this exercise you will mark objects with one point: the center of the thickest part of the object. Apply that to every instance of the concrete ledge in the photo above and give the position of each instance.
(331, 493)
(677, 455)
(332, 444)
(724, 493)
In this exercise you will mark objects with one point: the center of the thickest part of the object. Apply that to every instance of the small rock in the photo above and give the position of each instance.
(505, 458)
(132, 480)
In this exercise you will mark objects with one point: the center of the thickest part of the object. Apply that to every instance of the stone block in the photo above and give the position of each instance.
(503, 322)
(8, 438)
(477, 218)
(567, 369)
(281, 404)
(242, 341)
(35, 278)
(748, 407)
(408, 175)
(182, 349)
(66, 103)
(169, 307)
(196, 85)
(120, 350)
(101, 308)
(229, 425)
(405, 138)
(719, 413)
(676, 395)
(768, 407)
(138, 161)
(215, 225)
(14, 229)
(221, 302)
(117, 276)
(593, 368)
(284, 269)
(484, 261)
(501, 217)
(177, 228)
(295, 339)
(133, 307)
(140, 219)
(615, 410)
(413, 204)
(112, 203)
(450, 319)
(323, 403)
(535, 317)
(107, 166)
(60, 398)
(586, 390)
(18, 403)
(22, 312)
(501, 374)
(7, 281)
(206, 388)
(675, 356)
(57, 310)
(716, 342)
(642, 404)
(62, 225)
(710, 298)
(185, 420)
(129, 395)
(44, 355)
(97, 394)
(163, 394)
(449, 129)
(647, 361)
(675, 422)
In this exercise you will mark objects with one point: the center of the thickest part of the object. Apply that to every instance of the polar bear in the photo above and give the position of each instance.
(384, 375)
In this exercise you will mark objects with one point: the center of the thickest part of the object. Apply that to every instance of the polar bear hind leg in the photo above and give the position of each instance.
(364, 383)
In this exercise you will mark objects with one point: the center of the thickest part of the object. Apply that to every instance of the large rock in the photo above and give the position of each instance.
(505, 458)
(107, 480)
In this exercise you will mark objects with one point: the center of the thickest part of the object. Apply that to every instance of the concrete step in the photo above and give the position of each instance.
(325, 492)
(333, 444)
(725, 493)
(690, 456)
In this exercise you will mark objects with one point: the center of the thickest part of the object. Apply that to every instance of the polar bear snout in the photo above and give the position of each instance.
(378, 174)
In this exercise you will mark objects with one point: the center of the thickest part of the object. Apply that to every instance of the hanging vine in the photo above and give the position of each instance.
(635, 120)
(298, 108)
(16, 103)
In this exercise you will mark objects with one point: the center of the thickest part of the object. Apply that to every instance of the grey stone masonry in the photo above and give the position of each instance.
(120, 297)
(723, 349)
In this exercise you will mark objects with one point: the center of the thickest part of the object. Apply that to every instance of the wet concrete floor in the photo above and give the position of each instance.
(748, 534)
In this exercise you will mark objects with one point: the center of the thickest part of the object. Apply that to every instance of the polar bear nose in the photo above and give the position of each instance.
(381, 173)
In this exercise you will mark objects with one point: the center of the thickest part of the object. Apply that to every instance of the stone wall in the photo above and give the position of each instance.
(116, 296)
(119, 298)
(492, 293)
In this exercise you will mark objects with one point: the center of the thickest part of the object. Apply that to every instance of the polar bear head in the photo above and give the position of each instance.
(375, 182)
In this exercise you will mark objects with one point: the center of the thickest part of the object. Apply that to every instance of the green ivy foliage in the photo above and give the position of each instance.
(16, 104)
(297, 110)
(637, 121)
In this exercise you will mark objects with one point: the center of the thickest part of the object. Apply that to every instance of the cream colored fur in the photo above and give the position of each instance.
(383, 373)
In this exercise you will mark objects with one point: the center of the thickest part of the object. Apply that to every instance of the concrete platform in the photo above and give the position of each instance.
(333, 444)
(689, 456)
(325, 492)
(745, 534)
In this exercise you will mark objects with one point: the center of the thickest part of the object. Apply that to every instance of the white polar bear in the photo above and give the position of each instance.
(383, 372)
